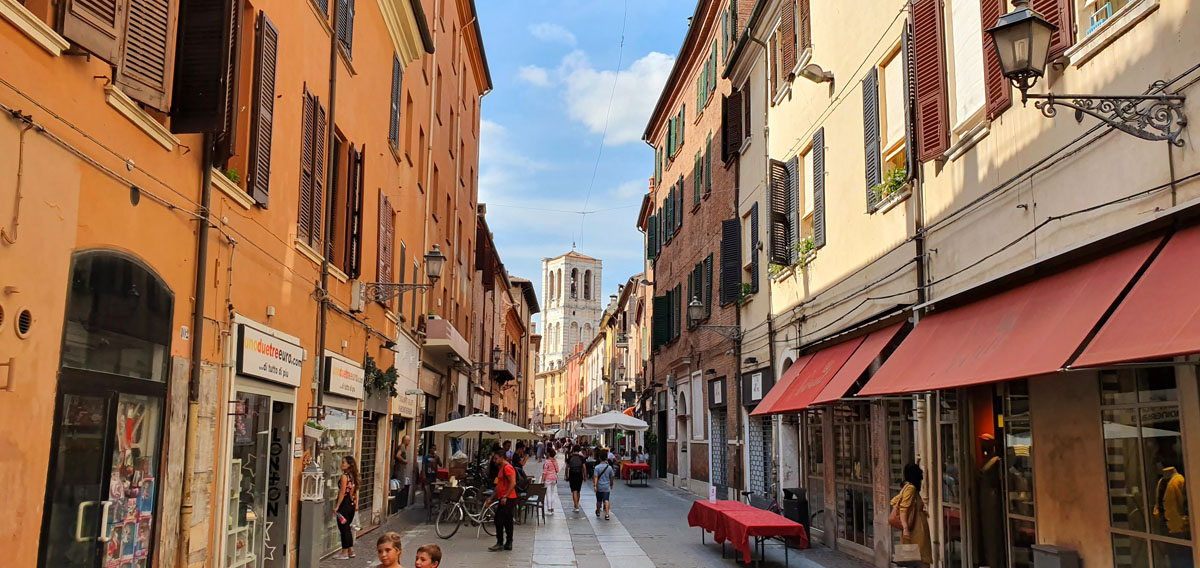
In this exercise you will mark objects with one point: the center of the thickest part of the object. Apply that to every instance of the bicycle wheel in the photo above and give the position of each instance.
(488, 519)
(448, 521)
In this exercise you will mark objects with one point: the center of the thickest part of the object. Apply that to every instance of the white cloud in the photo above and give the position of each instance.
(501, 165)
(631, 190)
(534, 74)
(546, 31)
(636, 90)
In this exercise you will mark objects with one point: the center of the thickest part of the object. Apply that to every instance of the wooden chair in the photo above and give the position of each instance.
(534, 500)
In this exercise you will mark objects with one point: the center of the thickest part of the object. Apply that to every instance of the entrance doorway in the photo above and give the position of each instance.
(257, 514)
(660, 449)
(106, 443)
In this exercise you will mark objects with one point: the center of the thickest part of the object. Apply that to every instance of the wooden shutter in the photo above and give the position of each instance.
(1061, 13)
(679, 206)
(692, 287)
(206, 72)
(95, 25)
(682, 124)
(818, 154)
(911, 163)
(733, 125)
(778, 244)
(668, 229)
(394, 125)
(995, 86)
(403, 265)
(304, 229)
(662, 232)
(713, 76)
(387, 224)
(697, 177)
(351, 189)
(708, 164)
(146, 70)
(262, 117)
(354, 218)
(345, 25)
(324, 5)
(651, 237)
(745, 104)
(805, 24)
(679, 304)
(658, 319)
(754, 247)
(787, 38)
(874, 162)
(793, 206)
(731, 260)
(318, 173)
(708, 285)
(933, 123)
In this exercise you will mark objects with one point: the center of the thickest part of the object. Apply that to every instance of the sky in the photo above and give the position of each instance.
(548, 126)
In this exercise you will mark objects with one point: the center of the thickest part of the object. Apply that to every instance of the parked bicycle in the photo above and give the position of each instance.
(464, 504)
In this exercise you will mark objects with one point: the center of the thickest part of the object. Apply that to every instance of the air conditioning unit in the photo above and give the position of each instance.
(358, 296)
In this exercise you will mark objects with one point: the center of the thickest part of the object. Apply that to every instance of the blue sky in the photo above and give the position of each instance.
(554, 65)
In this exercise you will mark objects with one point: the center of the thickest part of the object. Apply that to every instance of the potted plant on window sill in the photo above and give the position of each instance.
(894, 189)
(313, 430)
(806, 248)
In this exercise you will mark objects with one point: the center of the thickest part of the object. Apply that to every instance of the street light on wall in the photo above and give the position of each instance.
(696, 312)
(1022, 41)
(435, 262)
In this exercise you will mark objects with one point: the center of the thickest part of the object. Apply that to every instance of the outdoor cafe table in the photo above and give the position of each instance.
(738, 522)
(628, 468)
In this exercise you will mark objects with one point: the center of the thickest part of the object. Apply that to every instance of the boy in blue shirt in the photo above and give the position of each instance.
(602, 484)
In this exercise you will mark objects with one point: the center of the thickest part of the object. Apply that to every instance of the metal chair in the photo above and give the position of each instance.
(535, 500)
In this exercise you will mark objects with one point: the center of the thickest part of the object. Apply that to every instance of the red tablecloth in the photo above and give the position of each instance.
(443, 473)
(736, 522)
(628, 468)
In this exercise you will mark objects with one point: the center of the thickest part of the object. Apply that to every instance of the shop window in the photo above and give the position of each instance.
(759, 449)
(1143, 449)
(951, 478)
(720, 449)
(814, 463)
(337, 443)
(901, 446)
(852, 473)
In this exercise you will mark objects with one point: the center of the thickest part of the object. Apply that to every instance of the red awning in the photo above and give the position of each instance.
(772, 397)
(801, 391)
(853, 369)
(1160, 317)
(1030, 330)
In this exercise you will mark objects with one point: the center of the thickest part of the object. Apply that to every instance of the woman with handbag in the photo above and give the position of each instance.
(908, 515)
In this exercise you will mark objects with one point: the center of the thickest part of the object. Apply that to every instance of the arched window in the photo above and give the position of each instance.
(558, 289)
(587, 332)
(587, 285)
(574, 283)
(573, 338)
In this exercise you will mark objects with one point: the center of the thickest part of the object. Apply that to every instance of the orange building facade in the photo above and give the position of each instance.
(203, 207)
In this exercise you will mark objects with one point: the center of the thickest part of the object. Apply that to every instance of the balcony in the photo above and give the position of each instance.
(505, 369)
(442, 340)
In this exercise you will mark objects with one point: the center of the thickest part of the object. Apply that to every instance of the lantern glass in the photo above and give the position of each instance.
(1022, 40)
(695, 310)
(435, 261)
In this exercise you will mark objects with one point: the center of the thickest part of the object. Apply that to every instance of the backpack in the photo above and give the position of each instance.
(575, 466)
(522, 484)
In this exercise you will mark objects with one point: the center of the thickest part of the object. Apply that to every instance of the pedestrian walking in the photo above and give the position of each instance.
(428, 556)
(908, 510)
(575, 469)
(541, 450)
(550, 478)
(506, 494)
(602, 485)
(429, 470)
(347, 505)
(388, 548)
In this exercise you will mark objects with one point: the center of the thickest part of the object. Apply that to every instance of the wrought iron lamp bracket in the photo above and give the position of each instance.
(730, 332)
(1154, 117)
(384, 291)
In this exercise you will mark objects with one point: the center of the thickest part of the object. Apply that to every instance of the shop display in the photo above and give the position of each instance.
(131, 487)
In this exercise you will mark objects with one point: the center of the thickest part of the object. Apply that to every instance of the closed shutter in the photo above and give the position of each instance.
(354, 214)
(679, 207)
(787, 38)
(731, 260)
(995, 86)
(394, 125)
(658, 322)
(778, 241)
(670, 206)
(733, 125)
(682, 122)
(205, 97)
(345, 25)
(679, 303)
(745, 104)
(805, 24)
(1061, 13)
(403, 266)
(708, 164)
(387, 228)
(304, 229)
(651, 237)
(147, 67)
(662, 232)
(793, 207)
(318, 175)
(697, 177)
(712, 76)
(754, 247)
(911, 163)
(692, 287)
(733, 20)
(818, 157)
(933, 127)
(708, 284)
(95, 25)
(324, 5)
(262, 119)
(874, 162)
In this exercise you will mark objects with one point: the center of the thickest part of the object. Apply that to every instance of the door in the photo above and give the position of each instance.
(660, 450)
(259, 475)
(101, 491)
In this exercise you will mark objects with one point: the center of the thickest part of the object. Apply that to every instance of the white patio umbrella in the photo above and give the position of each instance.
(617, 420)
(482, 425)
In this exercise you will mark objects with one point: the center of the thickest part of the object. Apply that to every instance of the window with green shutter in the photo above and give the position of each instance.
(651, 237)
(697, 177)
(708, 164)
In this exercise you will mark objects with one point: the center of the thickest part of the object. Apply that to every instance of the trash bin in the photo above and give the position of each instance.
(795, 507)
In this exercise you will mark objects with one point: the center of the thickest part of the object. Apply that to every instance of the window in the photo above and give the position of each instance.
(901, 442)
(731, 261)
(1018, 481)
(387, 240)
(262, 119)
(345, 25)
(1143, 449)
(574, 283)
(891, 102)
(1099, 11)
(394, 124)
(967, 54)
(719, 441)
(951, 482)
(759, 446)
(774, 63)
(587, 285)
(852, 465)
(814, 461)
(312, 172)
(345, 247)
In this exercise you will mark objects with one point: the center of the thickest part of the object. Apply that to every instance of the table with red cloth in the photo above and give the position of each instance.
(443, 473)
(629, 468)
(736, 522)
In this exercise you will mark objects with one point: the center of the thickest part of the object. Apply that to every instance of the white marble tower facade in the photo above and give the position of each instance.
(571, 315)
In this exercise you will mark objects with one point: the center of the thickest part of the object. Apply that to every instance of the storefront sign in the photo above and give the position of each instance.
(268, 357)
(756, 385)
(343, 377)
(716, 393)
(404, 405)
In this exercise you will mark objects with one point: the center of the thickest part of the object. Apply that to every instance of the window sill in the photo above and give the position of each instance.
(321, 16)
(1116, 26)
(33, 27)
(140, 118)
(395, 153)
(804, 59)
(345, 57)
(967, 141)
(231, 190)
(893, 200)
(781, 92)
(337, 273)
(308, 252)
(391, 317)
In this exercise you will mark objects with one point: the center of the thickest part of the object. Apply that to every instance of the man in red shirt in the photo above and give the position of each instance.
(506, 493)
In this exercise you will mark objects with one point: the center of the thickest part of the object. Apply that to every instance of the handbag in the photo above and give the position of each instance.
(906, 554)
(894, 517)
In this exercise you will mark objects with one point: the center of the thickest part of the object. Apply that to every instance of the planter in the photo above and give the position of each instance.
(894, 199)
(311, 432)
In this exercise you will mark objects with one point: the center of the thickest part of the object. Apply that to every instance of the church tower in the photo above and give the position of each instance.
(571, 311)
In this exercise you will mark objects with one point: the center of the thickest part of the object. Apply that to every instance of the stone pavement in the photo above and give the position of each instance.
(648, 528)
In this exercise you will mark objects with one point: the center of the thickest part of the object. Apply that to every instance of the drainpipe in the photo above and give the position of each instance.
(189, 448)
(323, 301)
